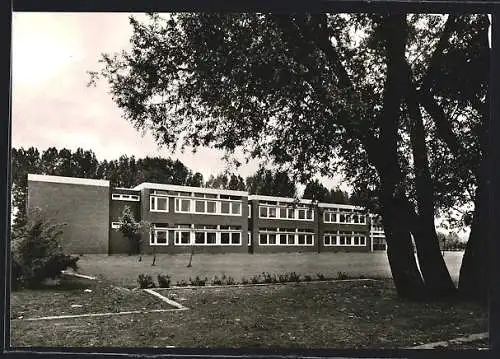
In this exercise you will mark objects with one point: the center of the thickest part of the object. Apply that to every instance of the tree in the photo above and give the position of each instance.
(219, 182)
(317, 192)
(271, 183)
(37, 250)
(131, 229)
(23, 162)
(311, 94)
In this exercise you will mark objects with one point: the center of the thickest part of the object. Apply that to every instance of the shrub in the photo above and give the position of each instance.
(342, 276)
(307, 278)
(16, 274)
(145, 281)
(230, 281)
(216, 281)
(321, 276)
(37, 251)
(182, 283)
(269, 278)
(163, 281)
(198, 282)
(256, 279)
(283, 278)
(294, 277)
(244, 280)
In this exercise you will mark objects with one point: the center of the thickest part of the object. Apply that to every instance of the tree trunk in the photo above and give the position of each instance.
(474, 272)
(407, 278)
(434, 271)
(404, 269)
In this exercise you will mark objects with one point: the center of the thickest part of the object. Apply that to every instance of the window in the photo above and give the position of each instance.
(159, 236)
(291, 213)
(158, 204)
(283, 213)
(302, 214)
(200, 206)
(235, 238)
(115, 225)
(224, 207)
(271, 212)
(236, 208)
(182, 205)
(343, 238)
(330, 239)
(125, 197)
(286, 237)
(211, 206)
(263, 212)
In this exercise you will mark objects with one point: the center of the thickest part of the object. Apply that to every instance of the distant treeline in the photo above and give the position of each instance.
(129, 172)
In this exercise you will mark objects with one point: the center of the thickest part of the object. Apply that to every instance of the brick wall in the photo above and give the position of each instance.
(84, 208)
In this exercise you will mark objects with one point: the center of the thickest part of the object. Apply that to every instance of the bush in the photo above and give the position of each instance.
(230, 281)
(37, 251)
(216, 281)
(163, 281)
(269, 278)
(256, 279)
(182, 283)
(244, 280)
(294, 277)
(145, 281)
(283, 278)
(198, 282)
(307, 278)
(321, 276)
(342, 276)
(16, 274)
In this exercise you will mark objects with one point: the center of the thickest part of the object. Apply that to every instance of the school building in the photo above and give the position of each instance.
(210, 220)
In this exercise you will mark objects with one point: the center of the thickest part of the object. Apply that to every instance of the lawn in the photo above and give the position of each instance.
(73, 297)
(123, 270)
(343, 314)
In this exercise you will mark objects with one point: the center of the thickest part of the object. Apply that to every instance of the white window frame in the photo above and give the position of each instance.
(338, 213)
(125, 197)
(218, 205)
(278, 208)
(349, 238)
(154, 199)
(154, 233)
(279, 233)
(231, 230)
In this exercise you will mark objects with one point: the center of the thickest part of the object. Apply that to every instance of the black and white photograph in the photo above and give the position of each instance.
(250, 180)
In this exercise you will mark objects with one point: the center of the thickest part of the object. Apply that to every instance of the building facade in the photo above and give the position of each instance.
(182, 218)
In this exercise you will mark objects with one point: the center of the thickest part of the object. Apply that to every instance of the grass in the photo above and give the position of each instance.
(70, 298)
(359, 314)
(123, 270)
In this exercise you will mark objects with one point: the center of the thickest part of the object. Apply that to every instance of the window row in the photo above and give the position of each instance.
(344, 239)
(195, 195)
(291, 238)
(199, 206)
(227, 207)
(201, 235)
(286, 213)
(339, 217)
(125, 197)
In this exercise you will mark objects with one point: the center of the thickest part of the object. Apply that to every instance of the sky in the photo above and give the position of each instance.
(52, 105)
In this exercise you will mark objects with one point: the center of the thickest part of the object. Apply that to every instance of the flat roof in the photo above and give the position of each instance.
(178, 188)
(278, 199)
(68, 180)
(341, 206)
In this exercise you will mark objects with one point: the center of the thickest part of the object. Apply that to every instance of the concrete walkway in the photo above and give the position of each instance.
(461, 340)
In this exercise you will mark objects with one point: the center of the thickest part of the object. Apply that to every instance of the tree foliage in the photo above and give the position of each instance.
(374, 96)
(37, 252)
